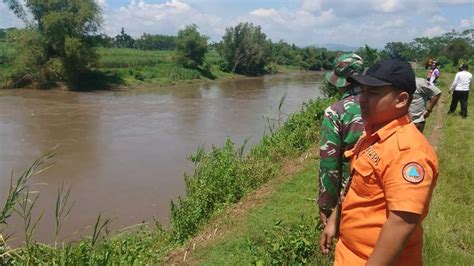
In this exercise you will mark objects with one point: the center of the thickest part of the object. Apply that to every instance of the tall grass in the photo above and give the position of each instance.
(126, 58)
(137, 67)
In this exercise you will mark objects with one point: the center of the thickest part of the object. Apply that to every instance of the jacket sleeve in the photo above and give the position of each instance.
(330, 159)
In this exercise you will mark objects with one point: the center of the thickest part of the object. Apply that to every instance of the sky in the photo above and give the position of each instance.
(303, 22)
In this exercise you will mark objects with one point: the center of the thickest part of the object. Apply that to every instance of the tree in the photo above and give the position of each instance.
(156, 42)
(283, 53)
(370, 55)
(245, 49)
(311, 58)
(191, 47)
(123, 40)
(458, 49)
(57, 43)
(397, 50)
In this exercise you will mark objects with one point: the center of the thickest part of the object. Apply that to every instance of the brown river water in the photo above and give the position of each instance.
(124, 152)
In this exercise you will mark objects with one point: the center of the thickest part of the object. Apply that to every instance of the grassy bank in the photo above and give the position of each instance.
(133, 67)
(283, 229)
(136, 67)
(130, 67)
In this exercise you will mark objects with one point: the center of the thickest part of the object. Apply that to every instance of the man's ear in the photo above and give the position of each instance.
(403, 99)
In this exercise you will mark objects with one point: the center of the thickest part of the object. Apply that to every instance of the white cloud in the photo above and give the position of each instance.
(434, 31)
(438, 19)
(289, 25)
(166, 18)
(467, 23)
(264, 12)
(311, 5)
(388, 6)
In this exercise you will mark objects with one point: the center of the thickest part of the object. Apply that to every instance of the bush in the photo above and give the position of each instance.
(191, 47)
(292, 244)
(271, 68)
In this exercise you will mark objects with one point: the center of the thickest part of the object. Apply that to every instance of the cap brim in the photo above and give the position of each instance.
(335, 80)
(367, 81)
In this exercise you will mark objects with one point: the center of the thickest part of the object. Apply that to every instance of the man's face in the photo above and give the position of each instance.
(378, 104)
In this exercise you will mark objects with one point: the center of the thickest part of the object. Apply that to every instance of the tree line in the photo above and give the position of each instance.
(245, 49)
(449, 50)
(60, 39)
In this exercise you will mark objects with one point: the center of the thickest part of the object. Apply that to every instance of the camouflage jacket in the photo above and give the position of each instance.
(341, 128)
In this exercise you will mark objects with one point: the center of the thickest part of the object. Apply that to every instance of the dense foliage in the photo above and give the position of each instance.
(449, 50)
(156, 42)
(123, 40)
(56, 45)
(191, 47)
(245, 49)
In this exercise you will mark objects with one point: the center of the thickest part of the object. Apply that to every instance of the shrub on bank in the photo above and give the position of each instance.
(289, 244)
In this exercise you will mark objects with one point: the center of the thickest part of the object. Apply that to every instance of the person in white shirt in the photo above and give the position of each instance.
(460, 89)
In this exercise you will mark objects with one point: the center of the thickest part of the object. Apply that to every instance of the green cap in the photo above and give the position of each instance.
(344, 66)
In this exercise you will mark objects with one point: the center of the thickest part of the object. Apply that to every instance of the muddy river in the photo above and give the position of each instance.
(124, 152)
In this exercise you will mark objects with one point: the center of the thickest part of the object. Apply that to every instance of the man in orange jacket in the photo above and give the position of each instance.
(393, 174)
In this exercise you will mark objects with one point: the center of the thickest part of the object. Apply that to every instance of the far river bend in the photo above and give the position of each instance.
(124, 153)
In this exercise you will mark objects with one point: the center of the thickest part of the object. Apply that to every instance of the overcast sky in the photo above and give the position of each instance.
(303, 22)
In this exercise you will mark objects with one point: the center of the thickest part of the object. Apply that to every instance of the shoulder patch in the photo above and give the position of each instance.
(413, 172)
(372, 155)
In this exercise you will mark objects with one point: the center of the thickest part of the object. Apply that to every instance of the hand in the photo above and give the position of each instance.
(426, 114)
(323, 217)
(327, 236)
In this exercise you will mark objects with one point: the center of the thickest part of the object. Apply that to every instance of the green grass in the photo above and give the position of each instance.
(137, 67)
(265, 229)
(449, 226)
(127, 58)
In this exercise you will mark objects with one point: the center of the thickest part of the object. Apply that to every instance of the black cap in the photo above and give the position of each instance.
(389, 72)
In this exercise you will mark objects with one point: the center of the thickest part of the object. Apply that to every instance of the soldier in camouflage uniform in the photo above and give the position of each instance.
(341, 128)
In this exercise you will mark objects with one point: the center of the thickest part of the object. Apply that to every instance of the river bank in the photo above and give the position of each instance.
(123, 68)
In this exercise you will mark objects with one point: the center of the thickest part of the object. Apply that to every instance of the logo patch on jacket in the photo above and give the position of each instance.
(413, 172)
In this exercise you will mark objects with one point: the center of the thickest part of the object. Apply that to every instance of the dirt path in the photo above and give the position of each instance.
(221, 225)
(435, 135)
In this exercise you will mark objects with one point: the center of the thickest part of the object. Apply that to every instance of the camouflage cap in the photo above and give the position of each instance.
(344, 66)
